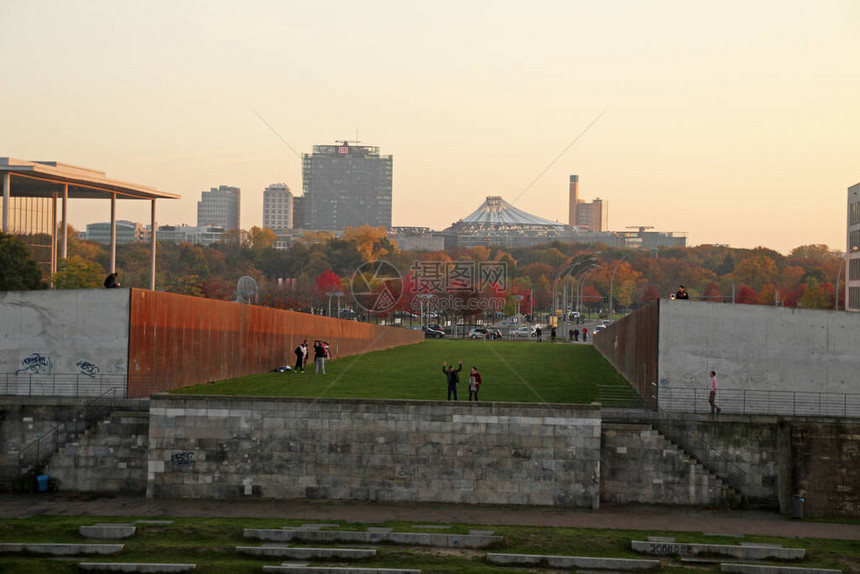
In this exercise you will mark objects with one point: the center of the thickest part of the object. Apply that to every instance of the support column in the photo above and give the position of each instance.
(152, 261)
(64, 239)
(7, 193)
(112, 233)
(53, 235)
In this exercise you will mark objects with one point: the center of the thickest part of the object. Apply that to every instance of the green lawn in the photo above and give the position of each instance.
(210, 543)
(523, 371)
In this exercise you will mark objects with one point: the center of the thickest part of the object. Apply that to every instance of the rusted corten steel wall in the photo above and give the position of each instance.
(630, 344)
(176, 340)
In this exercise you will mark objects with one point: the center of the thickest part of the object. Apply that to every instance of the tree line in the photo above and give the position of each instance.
(300, 276)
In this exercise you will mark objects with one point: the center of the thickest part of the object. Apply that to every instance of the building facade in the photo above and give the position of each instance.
(126, 232)
(219, 207)
(346, 186)
(593, 216)
(202, 235)
(852, 283)
(277, 207)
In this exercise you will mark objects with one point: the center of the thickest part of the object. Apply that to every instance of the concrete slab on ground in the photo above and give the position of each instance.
(587, 562)
(304, 553)
(107, 531)
(757, 552)
(366, 537)
(58, 549)
(143, 567)
(761, 569)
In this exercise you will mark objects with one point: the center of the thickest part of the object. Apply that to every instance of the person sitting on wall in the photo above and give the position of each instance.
(111, 281)
(682, 293)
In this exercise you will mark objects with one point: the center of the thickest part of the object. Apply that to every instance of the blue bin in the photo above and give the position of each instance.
(43, 483)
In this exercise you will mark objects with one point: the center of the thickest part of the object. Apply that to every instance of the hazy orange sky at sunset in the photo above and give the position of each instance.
(736, 122)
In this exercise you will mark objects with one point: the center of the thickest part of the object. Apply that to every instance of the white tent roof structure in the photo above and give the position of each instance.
(497, 211)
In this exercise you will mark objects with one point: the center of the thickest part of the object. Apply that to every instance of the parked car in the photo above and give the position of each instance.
(478, 333)
(436, 327)
(523, 331)
(607, 322)
(430, 333)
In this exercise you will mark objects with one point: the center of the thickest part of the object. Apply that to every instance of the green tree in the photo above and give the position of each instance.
(756, 271)
(75, 272)
(18, 270)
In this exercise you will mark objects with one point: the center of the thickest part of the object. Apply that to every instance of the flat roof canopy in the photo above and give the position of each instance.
(54, 180)
(41, 178)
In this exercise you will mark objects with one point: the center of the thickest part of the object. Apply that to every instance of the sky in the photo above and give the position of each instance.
(736, 122)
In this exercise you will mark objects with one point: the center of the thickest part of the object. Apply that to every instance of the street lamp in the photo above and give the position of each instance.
(518, 298)
(612, 280)
(854, 249)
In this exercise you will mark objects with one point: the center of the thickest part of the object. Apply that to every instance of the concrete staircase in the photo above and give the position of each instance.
(110, 456)
(640, 465)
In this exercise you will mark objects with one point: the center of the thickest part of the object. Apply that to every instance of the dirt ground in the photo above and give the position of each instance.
(646, 518)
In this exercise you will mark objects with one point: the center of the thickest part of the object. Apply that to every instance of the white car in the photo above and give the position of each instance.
(523, 331)
(598, 329)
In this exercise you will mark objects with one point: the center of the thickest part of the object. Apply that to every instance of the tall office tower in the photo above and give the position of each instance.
(277, 207)
(573, 201)
(852, 281)
(219, 207)
(298, 212)
(593, 216)
(599, 215)
(346, 186)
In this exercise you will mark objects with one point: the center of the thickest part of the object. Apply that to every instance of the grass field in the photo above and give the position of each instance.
(511, 370)
(210, 543)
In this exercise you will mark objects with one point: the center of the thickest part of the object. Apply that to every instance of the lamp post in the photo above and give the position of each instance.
(518, 299)
(329, 294)
(612, 280)
(854, 249)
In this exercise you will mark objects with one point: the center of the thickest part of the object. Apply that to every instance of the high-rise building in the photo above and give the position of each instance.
(852, 282)
(277, 207)
(298, 212)
(346, 186)
(573, 201)
(593, 216)
(219, 207)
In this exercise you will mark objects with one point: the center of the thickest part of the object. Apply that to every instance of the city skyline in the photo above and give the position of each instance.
(735, 124)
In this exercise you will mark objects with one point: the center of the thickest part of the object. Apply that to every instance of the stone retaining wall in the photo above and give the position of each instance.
(493, 453)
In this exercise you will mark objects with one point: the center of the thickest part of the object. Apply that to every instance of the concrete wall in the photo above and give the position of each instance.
(431, 451)
(44, 333)
(640, 466)
(824, 467)
(84, 342)
(177, 340)
(423, 451)
(109, 457)
(753, 348)
(24, 419)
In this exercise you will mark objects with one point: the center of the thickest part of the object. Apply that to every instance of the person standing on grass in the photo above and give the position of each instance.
(584, 334)
(300, 357)
(474, 383)
(552, 335)
(453, 378)
(712, 396)
(319, 357)
(538, 334)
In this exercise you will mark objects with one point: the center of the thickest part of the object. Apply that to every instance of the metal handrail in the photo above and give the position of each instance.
(61, 384)
(47, 444)
(761, 402)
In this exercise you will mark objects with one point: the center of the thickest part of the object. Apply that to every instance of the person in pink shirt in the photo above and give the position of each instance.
(713, 394)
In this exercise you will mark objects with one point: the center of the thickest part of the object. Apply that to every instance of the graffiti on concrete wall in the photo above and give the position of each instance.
(182, 458)
(36, 364)
(88, 369)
